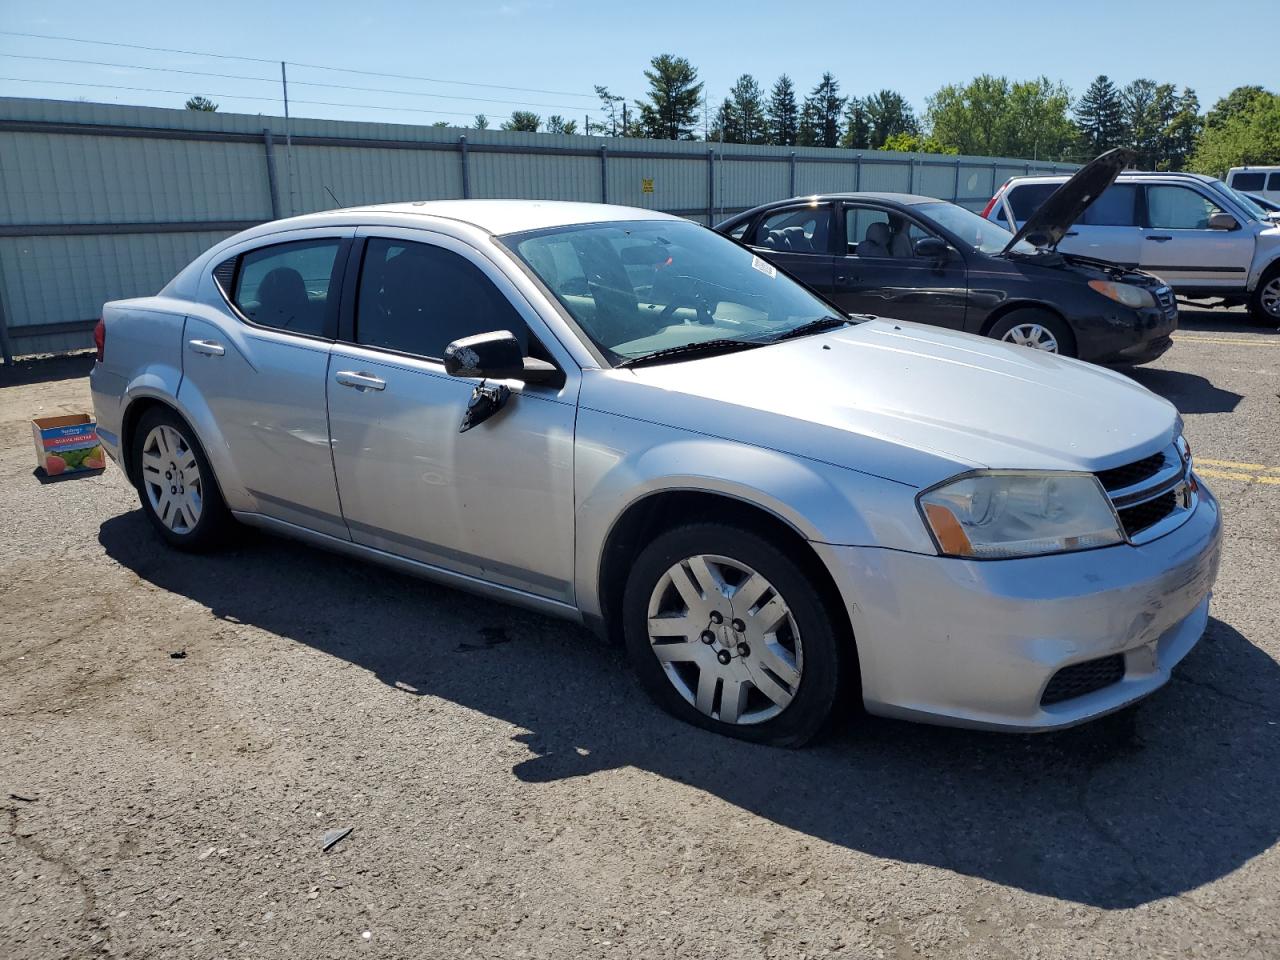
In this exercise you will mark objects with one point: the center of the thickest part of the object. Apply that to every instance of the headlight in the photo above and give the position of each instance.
(993, 516)
(1126, 293)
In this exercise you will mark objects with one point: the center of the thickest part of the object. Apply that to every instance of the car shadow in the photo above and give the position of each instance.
(1149, 804)
(1220, 320)
(46, 369)
(1189, 392)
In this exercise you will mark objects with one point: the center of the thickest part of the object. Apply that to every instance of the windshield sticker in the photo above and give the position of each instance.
(768, 269)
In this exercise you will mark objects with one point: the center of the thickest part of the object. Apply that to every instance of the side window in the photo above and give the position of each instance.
(1178, 208)
(286, 286)
(1249, 181)
(1273, 182)
(740, 230)
(417, 298)
(1025, 198)
(807, 230)
(878, 233)
(1117, 207)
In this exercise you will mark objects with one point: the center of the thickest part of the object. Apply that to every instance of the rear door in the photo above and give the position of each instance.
(1179, 247)
(495, 502)
(800, 239)
(880, 272)
(1111, 227)
(256, 370)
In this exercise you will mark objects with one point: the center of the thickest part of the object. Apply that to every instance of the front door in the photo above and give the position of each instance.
(881, 273)
(1179, 247)
(800, 239)
(495, 502)
(257, 369)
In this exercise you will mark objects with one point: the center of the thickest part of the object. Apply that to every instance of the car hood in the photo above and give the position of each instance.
(1052, 219)
(907, 402)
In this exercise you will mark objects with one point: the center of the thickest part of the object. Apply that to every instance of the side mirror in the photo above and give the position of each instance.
(497, 356)
(932, 248)
(1223, 221)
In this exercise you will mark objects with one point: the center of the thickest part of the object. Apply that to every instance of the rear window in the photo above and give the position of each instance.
(1249, 181)
(1026, 198)
(1274, 182)
(1117, 207)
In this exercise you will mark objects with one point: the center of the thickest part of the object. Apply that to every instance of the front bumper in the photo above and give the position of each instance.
(975, 643)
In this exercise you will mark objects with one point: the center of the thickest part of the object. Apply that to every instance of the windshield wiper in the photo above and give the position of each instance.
(707, 347)
(813, 326)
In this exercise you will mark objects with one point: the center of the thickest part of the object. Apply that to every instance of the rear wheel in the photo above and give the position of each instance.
(175, 482)
(1037, 329)
(730, 633)
(1264, 305)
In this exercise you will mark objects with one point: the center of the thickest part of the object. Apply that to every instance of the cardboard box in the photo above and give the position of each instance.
(67, 444)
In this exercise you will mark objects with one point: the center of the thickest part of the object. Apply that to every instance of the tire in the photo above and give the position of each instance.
(1018, 323)
(776, 683)
(1264, 302)
(191, 514)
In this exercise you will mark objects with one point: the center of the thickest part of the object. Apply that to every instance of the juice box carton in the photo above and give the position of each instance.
(67, 444)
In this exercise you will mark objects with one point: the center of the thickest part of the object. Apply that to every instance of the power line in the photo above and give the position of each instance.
(232, 96)
(312, 66)
(296, 83)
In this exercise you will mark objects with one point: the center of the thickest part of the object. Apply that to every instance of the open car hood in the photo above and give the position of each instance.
(1046, 227)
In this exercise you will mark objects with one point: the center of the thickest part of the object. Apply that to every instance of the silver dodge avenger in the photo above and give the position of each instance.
(623, 418)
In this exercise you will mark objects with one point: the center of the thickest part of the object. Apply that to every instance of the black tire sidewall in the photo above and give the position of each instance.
(1066, 337)
(827, 651)
(1257, 314)
(211, 529)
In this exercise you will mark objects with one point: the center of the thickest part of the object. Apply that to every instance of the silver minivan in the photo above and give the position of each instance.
(1203, 238)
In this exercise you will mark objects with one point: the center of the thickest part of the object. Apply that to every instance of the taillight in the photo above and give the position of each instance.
(992, 202)
(100, 338)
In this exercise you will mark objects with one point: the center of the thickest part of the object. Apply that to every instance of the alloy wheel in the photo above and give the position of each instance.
(1032, 335)
(726, 639)
(171, 478)
(1270, 298)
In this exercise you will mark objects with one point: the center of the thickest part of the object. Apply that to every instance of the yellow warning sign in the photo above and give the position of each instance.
(646, 184)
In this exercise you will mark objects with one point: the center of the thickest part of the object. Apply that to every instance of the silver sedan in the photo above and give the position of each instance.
(625, 419)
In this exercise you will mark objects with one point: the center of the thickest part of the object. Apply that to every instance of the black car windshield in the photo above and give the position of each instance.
(979, 232)
(637, 287)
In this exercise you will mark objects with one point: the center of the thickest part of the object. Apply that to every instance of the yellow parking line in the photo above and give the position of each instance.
(1231, 475)
(1238, 466)
(1181, 338)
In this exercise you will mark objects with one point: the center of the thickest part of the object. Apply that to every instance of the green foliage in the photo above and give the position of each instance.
(1249, 133)
(1100, 116)
(558, 124)
(671, 112)
(611, 110)
(741, 117)
(888, 115)
(523, 121)
(857, 125)
(481, 122)
(820, 114)
(905, 142)
(203, 104)
(782, 115)
(1237, 101)
(991, 116)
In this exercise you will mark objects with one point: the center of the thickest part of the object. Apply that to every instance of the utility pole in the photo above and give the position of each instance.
(624, 118)
(288, 135)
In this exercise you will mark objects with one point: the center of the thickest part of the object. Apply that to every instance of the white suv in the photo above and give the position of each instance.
(1199, 235)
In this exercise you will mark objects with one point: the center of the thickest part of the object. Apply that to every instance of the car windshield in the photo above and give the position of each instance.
(979, 232)
(1251, 207)
(638, 287)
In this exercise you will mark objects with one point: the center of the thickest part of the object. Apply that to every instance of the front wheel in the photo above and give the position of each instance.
(175, 482)
(1037, 329)
(730, 633)
(1264, 305)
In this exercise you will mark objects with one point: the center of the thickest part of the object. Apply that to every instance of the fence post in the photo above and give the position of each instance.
(955, 192)
(466, 172)
(857, 173)
(792, 190)
(711, 187)
(911, 175)
(272, 185)
(604, 174)
(6, 351)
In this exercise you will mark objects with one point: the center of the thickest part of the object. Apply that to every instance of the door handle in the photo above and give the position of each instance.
(360, 381)
(1159, 239)
(1073, 233)
(210, 348)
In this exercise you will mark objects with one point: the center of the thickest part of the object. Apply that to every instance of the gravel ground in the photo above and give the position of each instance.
(180, 732)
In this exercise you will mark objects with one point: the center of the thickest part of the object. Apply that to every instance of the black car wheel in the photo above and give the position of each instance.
(1037, 329)
(1264, 305)
(176, 484)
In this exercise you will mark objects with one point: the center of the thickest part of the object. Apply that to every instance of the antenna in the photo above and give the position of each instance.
(331, 196)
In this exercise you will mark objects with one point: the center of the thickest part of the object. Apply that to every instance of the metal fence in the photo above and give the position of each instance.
(101, 201)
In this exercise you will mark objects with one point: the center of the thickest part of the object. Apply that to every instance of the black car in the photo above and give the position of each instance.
(916, 258)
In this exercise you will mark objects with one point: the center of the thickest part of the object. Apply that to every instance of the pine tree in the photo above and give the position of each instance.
(523, 120)
(857, 126)
(749, 107)
(1183, 130)
(481, 122)
(671, 112)
(1100, 116)
(888, 114)
(824, 106)
(782, 114)
(809, 131)
(1142, 121)
(725, 127)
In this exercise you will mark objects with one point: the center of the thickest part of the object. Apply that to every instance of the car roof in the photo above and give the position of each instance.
(902, 199)
(492, 216)
(1125, 175)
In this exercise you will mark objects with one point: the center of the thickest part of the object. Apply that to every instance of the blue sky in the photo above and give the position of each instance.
(563, 47)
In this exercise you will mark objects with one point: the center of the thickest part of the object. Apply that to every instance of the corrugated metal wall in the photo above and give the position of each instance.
(101, 201)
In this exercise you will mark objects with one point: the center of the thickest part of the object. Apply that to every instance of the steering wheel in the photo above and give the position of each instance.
(688, 294)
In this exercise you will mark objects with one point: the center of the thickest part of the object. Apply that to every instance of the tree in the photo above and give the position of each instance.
(782, 115)
(1182, 131)
(820, 115)
(748, 107)
(1249, 134)
(481, 122)
(203, 104)
(990, 116)
(1143, 121)
(1239, 100)
(1100, 116)
(857, 125)
(524, 121)
(725, 126)
(915, 143)
(671, 112)
(1037, 124)
(611, 109)
(558, 124)
(888, 114)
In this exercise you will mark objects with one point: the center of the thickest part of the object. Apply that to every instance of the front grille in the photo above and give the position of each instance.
(1081, 678)
(1137, 518)
(1118, 478)
(1168, 303)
